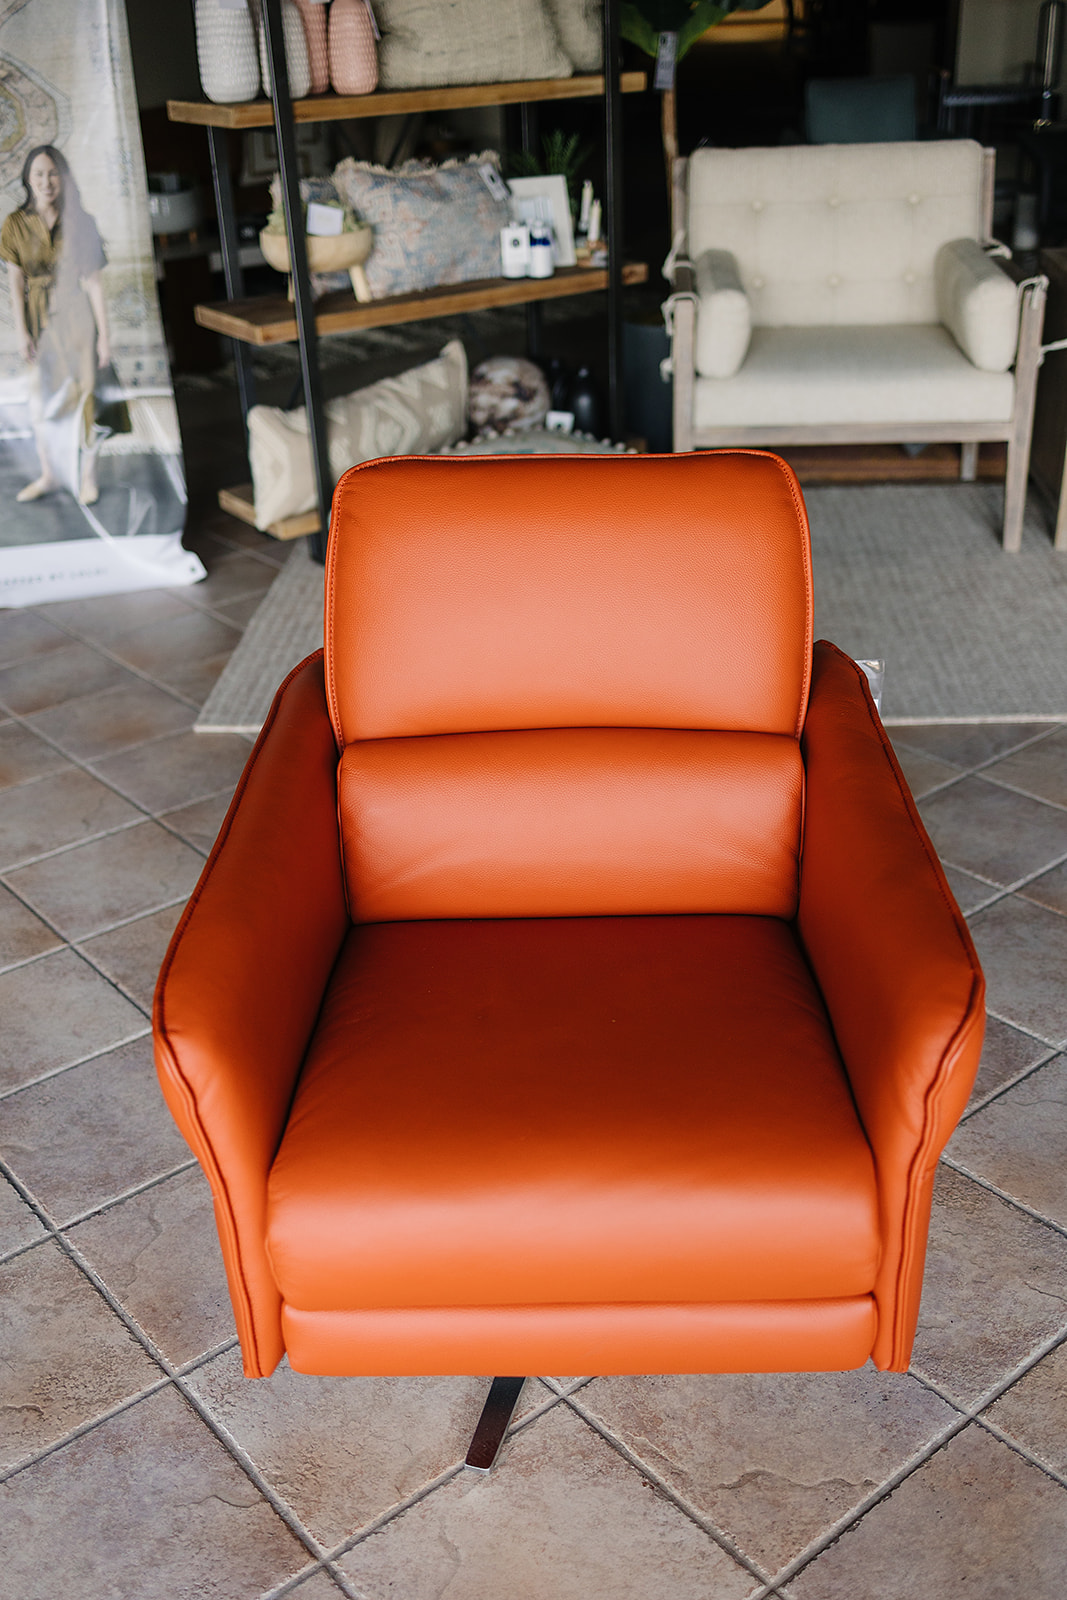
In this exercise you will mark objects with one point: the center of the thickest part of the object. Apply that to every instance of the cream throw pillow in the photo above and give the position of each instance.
(412, 414)
(580, 25)
(978, 304)
(431, 43)
(724, 317)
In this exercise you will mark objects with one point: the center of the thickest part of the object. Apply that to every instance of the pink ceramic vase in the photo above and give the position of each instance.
(313, 16)
(353, 52)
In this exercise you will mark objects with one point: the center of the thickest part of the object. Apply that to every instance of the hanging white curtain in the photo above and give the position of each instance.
(92, 488)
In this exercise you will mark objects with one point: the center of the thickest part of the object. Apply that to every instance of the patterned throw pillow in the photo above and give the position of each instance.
(432, 225)
(431, 43)
(412, 414)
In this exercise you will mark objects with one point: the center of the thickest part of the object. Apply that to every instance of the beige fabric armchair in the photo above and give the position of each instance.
(842, 294)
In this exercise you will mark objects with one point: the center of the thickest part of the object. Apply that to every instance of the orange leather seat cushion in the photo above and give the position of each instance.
(562, 1111)
(571, 822)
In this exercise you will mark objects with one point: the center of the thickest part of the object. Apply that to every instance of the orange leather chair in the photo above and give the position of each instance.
(573, 986)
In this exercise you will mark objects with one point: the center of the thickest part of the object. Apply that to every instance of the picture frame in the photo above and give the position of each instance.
(545, 199)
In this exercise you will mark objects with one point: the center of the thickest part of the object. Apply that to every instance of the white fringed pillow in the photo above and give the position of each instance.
(580, 25)
(413, 414)
(428, 44)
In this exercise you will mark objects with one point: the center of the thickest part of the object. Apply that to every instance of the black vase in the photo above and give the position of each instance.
(559, 384)
(586, 404)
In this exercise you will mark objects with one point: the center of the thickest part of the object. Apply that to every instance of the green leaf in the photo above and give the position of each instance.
(642, 21)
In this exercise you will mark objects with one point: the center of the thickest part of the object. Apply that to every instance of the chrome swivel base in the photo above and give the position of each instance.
(493, 1423)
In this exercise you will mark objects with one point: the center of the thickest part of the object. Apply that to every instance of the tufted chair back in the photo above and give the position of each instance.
(837, 234)
(593, 712)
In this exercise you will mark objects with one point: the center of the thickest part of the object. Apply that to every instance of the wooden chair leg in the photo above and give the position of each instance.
(1015, 494)
(969, 461)
(493, 1423)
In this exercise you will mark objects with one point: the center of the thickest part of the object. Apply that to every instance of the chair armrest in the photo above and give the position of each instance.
(978, 304)
(724, 316)
(894, 961)
(243, 980)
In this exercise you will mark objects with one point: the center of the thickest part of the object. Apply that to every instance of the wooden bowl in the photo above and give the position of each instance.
(336, 252)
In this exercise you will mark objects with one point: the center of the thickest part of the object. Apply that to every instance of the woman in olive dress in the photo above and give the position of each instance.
(55, 256)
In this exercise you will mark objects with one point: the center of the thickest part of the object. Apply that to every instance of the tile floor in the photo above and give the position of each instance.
(135, 1460)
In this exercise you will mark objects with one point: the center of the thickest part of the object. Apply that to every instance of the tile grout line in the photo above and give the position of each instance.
(990, 1395)
(128, 1194)
(1029, 1456)
(702, 1520)
(1009, 1083)
(1022, 1027)
(1009, 1199)
(94, 1055)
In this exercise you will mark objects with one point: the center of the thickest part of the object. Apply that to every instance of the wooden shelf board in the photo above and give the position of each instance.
(239, 503)
(269, 319)
(342, 108)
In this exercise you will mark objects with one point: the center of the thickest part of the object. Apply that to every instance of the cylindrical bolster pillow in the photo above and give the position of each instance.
(724, 318)
(978, 304)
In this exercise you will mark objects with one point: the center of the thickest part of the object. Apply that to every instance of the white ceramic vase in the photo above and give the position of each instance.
(313, 16)
(353, 52)
(226, 52)
(296, 52)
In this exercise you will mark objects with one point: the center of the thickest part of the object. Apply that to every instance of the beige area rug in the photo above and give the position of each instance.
(910, 574)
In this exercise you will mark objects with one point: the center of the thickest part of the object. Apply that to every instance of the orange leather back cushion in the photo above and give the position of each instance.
(553, 592)
(571, 822)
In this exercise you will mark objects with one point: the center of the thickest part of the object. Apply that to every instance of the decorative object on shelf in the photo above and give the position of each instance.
(580, 25)
(336, 253)
(353, 48)
(296, 52)
(585, 402)
(412, 414)
(432, 225)
(429, 45)
(541, 250)
(546, 199)
(313, 17)
(507, 392)
(175, 203)
(226, 52)
(536, 441)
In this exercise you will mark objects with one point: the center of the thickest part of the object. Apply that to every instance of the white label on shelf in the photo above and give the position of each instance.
(493, 181)
(232, 5)
(666, 56)
(559, 421)
(324, 221)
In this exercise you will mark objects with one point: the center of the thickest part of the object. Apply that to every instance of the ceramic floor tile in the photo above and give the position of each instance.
(167, 648)
(200, 822)
(974, 1520)
(57, 1011)
(995, 1288)
(76, 1359)
(49, 680)
(1040, 769)
(1034, 1410)
(992, 831)
(344, 1450)
(147, 1505)
(177, 770)
(22, 935)
(1005, 1053)
(970, 892)
(88, 888)
(232, 577)
(102, 619)
(24, 756)
(1049, 890)
(27, 633)
(196, 677)
(774, 1459)
(320, 1586)
(924, 772)
(18, 1224)
(1023, 951)
(562, 1517)
(92, 1132)
(968, 744)
(241, 612)
(59, 810)
(158, 1253)
(133, 954)
(1019, 1143)
(125, 715)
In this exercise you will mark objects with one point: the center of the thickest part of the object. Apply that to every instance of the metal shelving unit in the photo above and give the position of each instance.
(272, 319)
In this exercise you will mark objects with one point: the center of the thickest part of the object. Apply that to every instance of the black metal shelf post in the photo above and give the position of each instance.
(222, 178)
(613, 207)
(307, 335)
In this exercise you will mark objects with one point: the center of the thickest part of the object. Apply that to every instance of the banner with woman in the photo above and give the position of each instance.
(92, 488)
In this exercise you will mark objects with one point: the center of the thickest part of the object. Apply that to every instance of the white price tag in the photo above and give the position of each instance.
(324, 221)
(559, 421)
(493, 181)
(666, 59)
